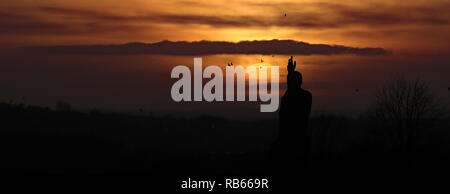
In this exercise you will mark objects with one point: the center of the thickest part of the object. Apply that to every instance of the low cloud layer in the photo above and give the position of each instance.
(266, 47)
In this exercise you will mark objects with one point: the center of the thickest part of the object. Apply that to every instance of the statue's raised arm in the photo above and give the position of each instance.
(291, 65)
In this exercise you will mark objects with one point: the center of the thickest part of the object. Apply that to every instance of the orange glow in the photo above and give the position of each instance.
(406, 25)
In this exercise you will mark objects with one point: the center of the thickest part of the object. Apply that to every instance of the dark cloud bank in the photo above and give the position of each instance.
(267, 47)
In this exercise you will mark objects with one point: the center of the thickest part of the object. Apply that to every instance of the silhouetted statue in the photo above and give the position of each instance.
(295, 108)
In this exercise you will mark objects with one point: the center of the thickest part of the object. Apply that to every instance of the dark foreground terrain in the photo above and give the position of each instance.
(43, 140)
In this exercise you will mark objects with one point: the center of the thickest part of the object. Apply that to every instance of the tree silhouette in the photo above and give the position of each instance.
(403, 106)
(62, 106)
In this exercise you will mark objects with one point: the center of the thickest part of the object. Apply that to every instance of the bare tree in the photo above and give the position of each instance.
(402, 105)
(62, 106)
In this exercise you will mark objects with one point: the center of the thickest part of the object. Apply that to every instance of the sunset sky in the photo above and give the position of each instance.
(423, 25)
(415, 32)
